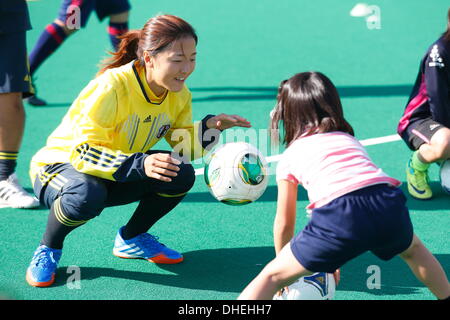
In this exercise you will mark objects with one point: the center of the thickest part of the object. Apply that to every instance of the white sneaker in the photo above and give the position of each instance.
(12, 195)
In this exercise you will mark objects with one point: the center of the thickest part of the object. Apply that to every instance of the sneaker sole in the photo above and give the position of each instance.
(157, 259)
(12, 207)
(6, 205)
(33, 283)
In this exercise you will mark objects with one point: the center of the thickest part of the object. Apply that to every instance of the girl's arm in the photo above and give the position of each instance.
(284, 224)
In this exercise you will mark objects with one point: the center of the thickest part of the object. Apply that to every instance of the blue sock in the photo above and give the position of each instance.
(115, 30)
(50, 39)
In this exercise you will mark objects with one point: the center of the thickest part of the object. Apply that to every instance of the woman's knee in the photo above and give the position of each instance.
(11, 102)
(85, 198)
(185, 179)
(119, 17)
(67, 31)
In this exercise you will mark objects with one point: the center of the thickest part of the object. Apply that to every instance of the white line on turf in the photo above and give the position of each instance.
(366, 142)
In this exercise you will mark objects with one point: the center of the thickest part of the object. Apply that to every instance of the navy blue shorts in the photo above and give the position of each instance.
(372, 219)
(14, 67)
(103, 8)
(84, 196)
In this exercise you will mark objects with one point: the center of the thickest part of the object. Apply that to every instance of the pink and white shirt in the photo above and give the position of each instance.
(329, 165)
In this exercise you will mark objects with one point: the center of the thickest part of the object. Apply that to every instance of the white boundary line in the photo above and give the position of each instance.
(366, 142)
(380, 140)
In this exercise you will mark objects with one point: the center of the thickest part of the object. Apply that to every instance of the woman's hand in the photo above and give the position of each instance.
(161, 166)
(224, 121)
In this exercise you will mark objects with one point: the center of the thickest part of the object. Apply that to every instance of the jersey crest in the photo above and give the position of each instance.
(162, 131)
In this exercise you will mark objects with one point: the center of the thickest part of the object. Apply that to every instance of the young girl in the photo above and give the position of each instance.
(100, 155)
(425, 124)
(355, 206)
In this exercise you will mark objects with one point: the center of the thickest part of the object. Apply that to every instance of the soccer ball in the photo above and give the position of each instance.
(236, 173)
(318, 286)
(444, 174)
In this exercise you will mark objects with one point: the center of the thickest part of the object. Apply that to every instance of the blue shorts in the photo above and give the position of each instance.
(84, 196)
(14, 67)
(372, 219)
(103, 8)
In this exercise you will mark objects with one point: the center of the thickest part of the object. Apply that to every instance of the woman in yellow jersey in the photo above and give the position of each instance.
(100, 155)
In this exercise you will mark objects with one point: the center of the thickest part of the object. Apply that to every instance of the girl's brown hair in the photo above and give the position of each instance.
(307, 103)
(156, 35)
(447, 32)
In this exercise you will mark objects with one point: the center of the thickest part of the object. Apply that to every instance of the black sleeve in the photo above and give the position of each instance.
(208, 137)
(437, 81)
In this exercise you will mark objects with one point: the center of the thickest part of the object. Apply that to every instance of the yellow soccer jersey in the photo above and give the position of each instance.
(115, 117)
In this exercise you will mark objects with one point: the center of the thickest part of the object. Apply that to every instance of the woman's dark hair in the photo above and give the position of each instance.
(156, 35)
(447, 32)
(307, 103)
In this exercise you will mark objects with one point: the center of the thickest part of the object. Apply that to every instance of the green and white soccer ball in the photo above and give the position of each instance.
(318, 286)
(236, 173)
(444, 174)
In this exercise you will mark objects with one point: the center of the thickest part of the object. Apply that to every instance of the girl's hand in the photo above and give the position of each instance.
(225, 121)
(337, 276)
(280, 292)
(161, 166)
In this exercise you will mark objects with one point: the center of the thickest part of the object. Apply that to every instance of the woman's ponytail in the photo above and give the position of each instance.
(126, 52)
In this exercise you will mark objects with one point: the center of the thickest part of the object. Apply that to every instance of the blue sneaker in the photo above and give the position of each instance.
(145, 246)
(42, 269)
